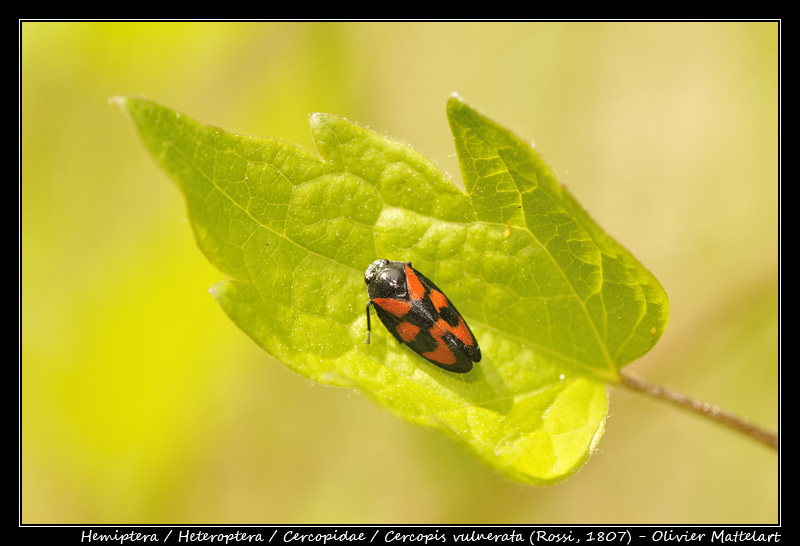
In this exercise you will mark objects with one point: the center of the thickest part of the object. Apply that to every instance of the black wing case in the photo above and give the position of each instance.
(448, 312)
(419, 332)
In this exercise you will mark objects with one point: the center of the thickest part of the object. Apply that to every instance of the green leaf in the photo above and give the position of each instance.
(558, 307)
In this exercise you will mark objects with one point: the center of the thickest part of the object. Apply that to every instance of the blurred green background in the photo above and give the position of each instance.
(142, 403)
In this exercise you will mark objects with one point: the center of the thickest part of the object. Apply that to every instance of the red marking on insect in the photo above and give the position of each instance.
(438, 299)
(408, 331)
(461, 330)
(416, 291)
(418, 314)
(398, 308)
(443, 355)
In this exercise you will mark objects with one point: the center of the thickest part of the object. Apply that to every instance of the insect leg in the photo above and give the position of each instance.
(368, 326)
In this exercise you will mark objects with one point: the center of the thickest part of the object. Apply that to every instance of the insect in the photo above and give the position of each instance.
(418, 314)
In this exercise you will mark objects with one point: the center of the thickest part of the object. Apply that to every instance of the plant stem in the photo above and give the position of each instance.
(754, 431)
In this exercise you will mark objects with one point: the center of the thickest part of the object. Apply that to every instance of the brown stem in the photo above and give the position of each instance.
(754, 431)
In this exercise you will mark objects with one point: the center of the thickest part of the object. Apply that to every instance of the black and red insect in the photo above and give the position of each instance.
(418, 314)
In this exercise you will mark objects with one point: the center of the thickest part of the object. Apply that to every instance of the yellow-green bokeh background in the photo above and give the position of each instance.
(142, 403)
